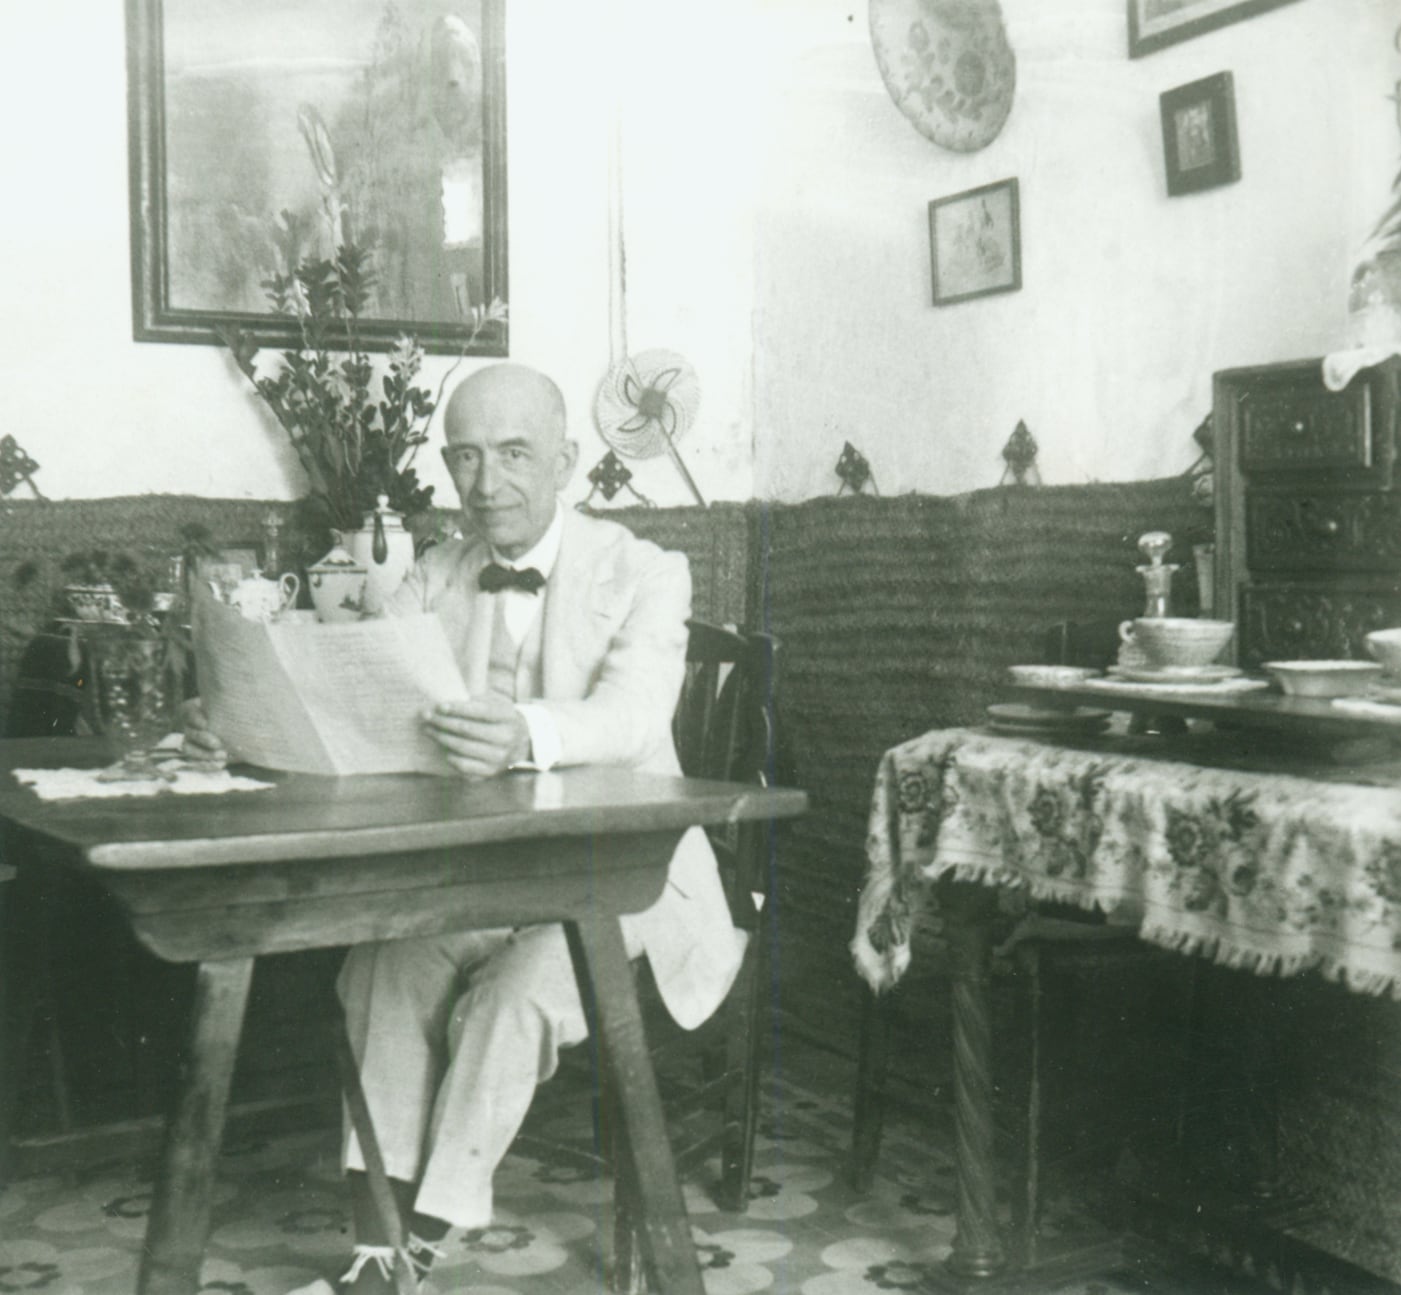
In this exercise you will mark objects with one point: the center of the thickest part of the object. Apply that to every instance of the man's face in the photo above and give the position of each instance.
(508, 458)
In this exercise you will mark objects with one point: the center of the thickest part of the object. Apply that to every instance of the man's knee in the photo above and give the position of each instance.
(527, 986)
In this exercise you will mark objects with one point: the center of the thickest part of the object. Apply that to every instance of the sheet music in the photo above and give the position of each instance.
(327, 699)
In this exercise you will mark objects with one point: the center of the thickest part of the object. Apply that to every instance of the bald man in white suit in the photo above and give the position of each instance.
(571, 633)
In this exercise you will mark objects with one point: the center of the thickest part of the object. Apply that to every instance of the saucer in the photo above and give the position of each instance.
(1050, 676)
(1387, 692)
(1017, 717)
(1176, 674)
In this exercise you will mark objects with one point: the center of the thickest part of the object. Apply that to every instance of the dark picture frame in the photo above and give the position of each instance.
(1200, 149)
(1155, 24)
(975, 242)
(266, 134)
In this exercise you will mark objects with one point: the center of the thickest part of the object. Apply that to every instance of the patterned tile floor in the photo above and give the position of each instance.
(281, 1216)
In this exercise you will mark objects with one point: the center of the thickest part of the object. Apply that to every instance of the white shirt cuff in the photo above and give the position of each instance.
(544, 738)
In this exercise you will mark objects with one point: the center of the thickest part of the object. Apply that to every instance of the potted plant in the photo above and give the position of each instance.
(1374, 290)
(355, 438)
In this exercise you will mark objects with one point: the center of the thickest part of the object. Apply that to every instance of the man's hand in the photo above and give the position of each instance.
(481, 737)
(201, 742)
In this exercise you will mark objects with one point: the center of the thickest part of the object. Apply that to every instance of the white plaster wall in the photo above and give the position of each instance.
(1130, 300)
(105, 416)
(775, 209)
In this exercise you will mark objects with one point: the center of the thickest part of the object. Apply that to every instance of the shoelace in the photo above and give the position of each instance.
(381, 1256)
(420, 1254)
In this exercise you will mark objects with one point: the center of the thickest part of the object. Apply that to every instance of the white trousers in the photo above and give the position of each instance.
(452, 1034)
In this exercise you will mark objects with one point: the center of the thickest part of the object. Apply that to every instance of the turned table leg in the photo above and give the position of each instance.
(977, 1249)
(179, 1222)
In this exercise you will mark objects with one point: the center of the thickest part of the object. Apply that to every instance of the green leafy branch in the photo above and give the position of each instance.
(353, 445)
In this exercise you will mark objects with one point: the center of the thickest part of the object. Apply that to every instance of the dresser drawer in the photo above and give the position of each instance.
(1284, 622)
(1290, 423)
(1322, 531)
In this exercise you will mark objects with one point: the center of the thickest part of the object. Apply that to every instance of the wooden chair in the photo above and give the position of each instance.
(724, 730)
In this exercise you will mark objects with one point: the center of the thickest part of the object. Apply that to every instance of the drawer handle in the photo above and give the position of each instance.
(1299, 426)
(1326, 528)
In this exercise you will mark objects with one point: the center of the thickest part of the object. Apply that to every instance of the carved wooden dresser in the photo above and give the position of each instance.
(1308, 509)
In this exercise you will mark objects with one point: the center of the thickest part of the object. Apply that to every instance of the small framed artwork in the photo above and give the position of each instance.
(1154, 24)
(975, 243)
(232, 563)
(1199, 135)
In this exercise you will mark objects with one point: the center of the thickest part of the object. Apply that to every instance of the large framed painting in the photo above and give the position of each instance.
(1156, 23)
(267, 134)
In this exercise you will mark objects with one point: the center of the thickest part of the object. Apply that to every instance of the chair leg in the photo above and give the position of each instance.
(743, 1040)
(868, 1117)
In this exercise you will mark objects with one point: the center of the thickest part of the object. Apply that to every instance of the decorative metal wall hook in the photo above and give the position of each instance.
(1204, 435)
(1020, 456)
(16, 466)
(855, 471)
(607, 477)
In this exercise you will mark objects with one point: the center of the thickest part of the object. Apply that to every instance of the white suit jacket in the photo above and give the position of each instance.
(613, 656)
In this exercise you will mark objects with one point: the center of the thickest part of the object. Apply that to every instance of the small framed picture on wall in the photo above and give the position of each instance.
(1199, 135)
(975, 243)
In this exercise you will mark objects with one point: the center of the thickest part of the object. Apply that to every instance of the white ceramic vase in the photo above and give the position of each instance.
(385, 549)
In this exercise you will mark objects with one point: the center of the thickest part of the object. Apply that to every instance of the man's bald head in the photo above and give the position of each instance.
(506, 449)
(489, 392)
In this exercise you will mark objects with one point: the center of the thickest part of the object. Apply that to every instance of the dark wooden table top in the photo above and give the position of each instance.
(306, 817)
(1302, 716)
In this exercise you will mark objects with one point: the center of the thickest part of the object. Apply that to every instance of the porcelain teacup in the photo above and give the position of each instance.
(1385, 646)
(1168, 642)
(259, 598)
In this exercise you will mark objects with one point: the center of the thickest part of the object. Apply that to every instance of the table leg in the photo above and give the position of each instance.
(610, 1001)
(868, 1113)
(179, 1223)
(977, 1247)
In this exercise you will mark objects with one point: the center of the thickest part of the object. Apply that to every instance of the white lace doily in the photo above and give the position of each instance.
(75, 784)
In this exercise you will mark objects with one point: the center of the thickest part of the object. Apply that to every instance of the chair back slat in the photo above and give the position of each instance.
(723, 728)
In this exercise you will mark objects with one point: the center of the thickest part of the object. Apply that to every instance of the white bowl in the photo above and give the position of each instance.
(1323, 678)
(1385, 645)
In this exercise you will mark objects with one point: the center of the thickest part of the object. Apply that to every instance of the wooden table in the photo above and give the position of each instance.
(319, 862)
(1060, 818)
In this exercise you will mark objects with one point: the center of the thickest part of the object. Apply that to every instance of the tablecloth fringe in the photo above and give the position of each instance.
(1263, 962)
(882, 968)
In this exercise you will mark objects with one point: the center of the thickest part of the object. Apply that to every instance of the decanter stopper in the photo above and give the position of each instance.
(1157, 574)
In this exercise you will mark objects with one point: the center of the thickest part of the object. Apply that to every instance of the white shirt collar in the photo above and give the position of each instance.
(543, 556)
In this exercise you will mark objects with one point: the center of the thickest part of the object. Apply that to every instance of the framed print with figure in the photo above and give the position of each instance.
(975, 243)
(266, 135)
(1156, 23)
(1200, 150)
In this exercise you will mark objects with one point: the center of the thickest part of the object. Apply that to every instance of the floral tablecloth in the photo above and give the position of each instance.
(1264, 871)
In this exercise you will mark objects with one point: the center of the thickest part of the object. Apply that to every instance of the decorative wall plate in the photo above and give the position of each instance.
(948, 66)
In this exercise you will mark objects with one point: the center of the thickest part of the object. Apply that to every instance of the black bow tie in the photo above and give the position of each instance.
(495, 578)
